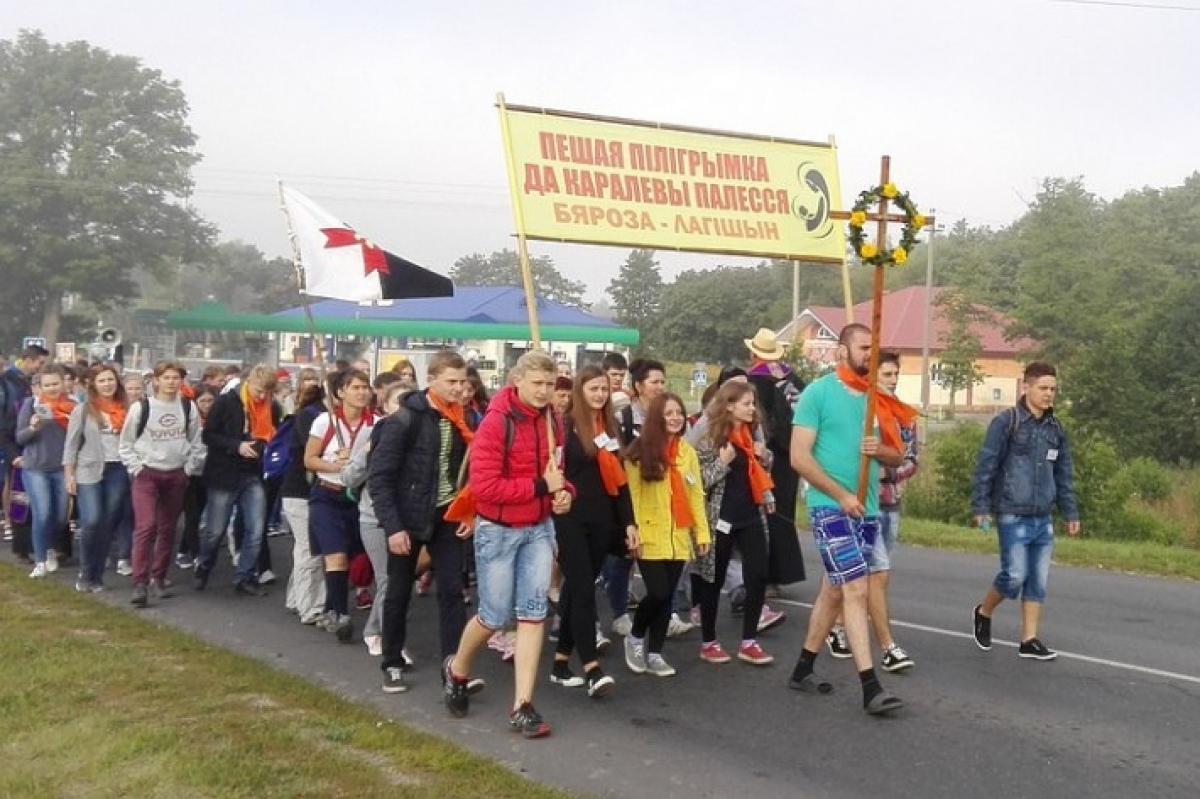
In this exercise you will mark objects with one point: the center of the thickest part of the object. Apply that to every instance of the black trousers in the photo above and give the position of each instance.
(751, 540)
(583, 542)
(193, 512)
(445, 550)
(653, 613)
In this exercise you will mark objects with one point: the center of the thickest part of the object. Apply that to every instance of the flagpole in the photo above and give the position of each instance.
(535, 333)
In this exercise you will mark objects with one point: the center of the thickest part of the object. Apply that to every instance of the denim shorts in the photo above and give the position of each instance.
(513, 567)
(844, 542)
(1026, 544)
(889, 530)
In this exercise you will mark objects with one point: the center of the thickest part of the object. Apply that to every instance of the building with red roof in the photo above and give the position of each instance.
(816, 331)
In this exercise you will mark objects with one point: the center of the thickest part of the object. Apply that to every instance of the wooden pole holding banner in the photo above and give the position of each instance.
(535, 333)
(847, 292)
(881, 223)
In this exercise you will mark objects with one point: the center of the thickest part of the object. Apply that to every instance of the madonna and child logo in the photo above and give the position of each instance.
(812, 201)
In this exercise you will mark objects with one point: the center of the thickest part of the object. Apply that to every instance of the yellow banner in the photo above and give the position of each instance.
(612, 181)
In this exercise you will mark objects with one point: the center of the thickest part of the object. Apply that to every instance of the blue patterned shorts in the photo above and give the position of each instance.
(844, 542)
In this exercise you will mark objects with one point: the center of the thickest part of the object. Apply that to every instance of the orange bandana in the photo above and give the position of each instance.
(612, 474)
(681, 509)
(258, 416)
(114, 410)
(61, 408)
(454, 413)
(892, 414)
(760, 480)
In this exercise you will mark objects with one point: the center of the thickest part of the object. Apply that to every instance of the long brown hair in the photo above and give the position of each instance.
(720, 419)
(650, 450)
(93, 394)
(584, 417)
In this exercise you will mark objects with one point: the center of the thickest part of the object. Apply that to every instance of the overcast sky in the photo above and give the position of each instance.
(383, 110)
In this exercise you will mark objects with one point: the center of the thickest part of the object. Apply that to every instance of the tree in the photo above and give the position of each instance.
(637, 294)
(961, 345)
(503, 268)
(233, 273)
(95, 159)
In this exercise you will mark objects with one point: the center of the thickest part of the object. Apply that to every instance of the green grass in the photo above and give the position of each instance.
(1135, 557)
(97, 702)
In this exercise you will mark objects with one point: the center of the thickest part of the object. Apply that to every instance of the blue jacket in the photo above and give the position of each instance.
(1024, 468)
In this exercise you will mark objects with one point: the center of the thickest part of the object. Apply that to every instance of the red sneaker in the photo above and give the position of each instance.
(714, 653)
(753, 653)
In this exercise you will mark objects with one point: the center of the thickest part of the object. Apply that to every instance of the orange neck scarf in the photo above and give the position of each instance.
(892, 414)
(115, 411)
(612, 474)
(760, 480)
(681, 509)
(454, 413)
(61, 407)
(258, 416)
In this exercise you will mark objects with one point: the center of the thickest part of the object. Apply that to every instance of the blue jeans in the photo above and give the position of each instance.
(1026, 544)
(48, 505)
(513, 567)
(250, 499)
(103, 508)
(889, 530)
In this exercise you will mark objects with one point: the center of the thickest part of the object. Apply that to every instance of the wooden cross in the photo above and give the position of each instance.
(881, 218)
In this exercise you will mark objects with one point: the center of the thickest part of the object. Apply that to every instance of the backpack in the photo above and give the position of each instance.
(144, 419)
(277, 454)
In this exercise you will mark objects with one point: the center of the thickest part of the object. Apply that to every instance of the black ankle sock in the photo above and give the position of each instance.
(870, 685)
(804, 666)
(337, 590)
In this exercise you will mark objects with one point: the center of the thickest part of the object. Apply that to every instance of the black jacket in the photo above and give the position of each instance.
(402, 477)
(224, 432)
(296, 480)
(14, 390)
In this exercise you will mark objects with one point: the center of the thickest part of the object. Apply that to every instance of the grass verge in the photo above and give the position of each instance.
(1137, 557)
(99, 703)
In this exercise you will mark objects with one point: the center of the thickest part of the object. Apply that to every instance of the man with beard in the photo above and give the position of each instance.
(826, 449)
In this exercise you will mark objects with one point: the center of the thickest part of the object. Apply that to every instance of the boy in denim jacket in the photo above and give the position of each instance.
(1023, 470)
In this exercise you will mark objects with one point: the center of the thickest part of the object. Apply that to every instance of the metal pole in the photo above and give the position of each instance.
(795, 295)
(925, 377)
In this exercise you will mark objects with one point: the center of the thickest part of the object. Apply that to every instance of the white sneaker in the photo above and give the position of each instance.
(51, 562)
(312, 617)
(622, 625)
(677, 626)
(374, 645)
(658, 667)
(39, 571)
(266, 578)
(124, 568)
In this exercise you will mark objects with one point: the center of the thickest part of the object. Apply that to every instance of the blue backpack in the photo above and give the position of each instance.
(277, 455)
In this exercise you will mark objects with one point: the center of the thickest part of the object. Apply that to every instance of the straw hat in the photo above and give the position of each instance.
(765, 345)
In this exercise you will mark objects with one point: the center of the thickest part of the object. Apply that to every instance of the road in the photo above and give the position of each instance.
(1115, 716)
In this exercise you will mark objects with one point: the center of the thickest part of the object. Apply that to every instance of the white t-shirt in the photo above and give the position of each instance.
(354, 438)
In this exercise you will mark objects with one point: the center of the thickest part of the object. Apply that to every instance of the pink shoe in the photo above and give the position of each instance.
(713, 652)
(754, 654)
(770, 618)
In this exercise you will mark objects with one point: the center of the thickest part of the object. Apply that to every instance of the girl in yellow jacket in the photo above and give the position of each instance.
(668, 503)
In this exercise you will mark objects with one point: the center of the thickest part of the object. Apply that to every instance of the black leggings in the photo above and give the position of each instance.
(653, 613)
(582, 545)
(751, 540)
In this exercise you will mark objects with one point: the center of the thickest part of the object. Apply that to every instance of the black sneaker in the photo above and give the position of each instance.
(200, 580)
(839, 647)
(393, 681)
(162, 589)
(141, 597)
(598, 683)
(475, 685)
(343, 628)
(527, 721)
(983, 629)
(248, 588)
(562, 675)
(1035, 650)
(454, 691)
(896, 659)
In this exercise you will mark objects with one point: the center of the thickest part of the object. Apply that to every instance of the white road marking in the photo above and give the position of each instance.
(1116, 664)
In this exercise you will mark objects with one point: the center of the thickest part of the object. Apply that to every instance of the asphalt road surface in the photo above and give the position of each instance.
(1117, 715)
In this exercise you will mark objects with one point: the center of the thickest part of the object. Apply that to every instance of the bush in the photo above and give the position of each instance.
(1151, 480)
(1102, 487)
(942, 488)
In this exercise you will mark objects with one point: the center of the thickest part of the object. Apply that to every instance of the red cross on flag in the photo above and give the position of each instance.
(341, 263)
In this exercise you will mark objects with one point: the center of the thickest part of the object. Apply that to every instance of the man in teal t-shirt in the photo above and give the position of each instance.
(827, 446)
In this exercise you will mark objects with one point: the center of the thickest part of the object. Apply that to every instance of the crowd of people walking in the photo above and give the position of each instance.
(532, 503)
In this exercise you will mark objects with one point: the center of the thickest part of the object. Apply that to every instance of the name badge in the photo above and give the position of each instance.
(605, 441)
(724, 526)
(690, 479)
(558, 454)
(1051, 454)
